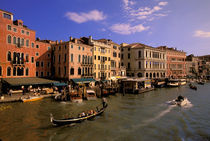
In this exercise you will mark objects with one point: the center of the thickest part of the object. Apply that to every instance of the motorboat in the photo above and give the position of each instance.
(90, 94)
(75, 96)
(82, 117)
(179, 101)
(31, 98)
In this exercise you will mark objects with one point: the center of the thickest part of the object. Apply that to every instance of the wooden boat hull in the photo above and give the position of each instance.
(61, 122)
(32, 99)
(76, 100)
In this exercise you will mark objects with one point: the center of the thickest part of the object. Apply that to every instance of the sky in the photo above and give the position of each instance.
(183, 24)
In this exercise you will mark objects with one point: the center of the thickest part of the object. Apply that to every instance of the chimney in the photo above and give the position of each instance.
(70, 38)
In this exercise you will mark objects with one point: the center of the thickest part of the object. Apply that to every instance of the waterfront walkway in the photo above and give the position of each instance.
(17, 97)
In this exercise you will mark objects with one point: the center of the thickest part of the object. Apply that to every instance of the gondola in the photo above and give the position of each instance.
(68, 121)
(192, 87)
(201, 83)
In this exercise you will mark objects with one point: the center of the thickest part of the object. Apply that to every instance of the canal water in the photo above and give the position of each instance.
(144, 117)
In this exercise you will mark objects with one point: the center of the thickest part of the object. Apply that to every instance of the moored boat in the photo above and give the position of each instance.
(182, 82)
(173, 83)
(31, 98)
(192, 86)
(75, 96)
(91, 95)
(80, 118)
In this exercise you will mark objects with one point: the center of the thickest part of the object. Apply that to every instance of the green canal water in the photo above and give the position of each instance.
(144, 117)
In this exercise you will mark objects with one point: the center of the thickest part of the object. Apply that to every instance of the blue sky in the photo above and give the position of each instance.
(184, 24)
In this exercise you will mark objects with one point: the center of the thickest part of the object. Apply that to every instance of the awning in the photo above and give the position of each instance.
(83, 80)
(28, 81)
(58, 84)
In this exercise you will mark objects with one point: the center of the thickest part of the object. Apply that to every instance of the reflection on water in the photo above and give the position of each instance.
(129, 117)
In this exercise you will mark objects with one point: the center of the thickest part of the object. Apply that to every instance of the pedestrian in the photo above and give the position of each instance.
(22, 87)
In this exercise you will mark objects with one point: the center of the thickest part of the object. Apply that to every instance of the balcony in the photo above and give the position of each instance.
(86, 63)
(18, 62)
(19, 45)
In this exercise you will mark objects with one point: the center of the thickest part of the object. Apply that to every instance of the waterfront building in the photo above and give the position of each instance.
(21, 54)
(176, 65)
(143, 61)
(106, 58)
(193, 64)
(72, 59)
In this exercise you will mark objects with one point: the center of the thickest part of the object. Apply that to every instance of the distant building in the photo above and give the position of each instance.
(143, 61)
(176, 65)
(72, 59)
(21, 54)
(193, 65)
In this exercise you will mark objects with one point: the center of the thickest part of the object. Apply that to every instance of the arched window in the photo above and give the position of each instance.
(22, 71)
(0, 71)
(146, 75)
(154, 75)
(8, 71)
(9, 39)
(9, 58)
(79, 71)
(14, 40)
(27, 71)
(157, 75)
(18, 71)
(72, 71)
(139, 74)
(150, 75)
(14, 71)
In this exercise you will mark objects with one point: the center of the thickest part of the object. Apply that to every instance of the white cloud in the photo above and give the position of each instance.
(203, 34)
(162, 3)
(143, 12)
(127, 29)
(93, 15)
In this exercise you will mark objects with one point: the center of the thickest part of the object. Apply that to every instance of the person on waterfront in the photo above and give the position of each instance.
(23, 90)
(104, 101)
(10, 92)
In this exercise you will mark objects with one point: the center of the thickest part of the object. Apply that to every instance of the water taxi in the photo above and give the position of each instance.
(173, 83)
(91, 95)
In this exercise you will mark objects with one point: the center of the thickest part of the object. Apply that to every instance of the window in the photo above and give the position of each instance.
(37, 64)
(27, 71)
(98, 57)
(27, 43)
(139, 54)
(72, 71)
(22, 42)
(65, 58)
(79, 71)
(65, 46)
(48, 73)
(37, 46)
(129, 49)
(95, 57)
(115, 47)
(32, 59)
(59, 70)
(59, 48)
(42, 74)
(27, 33)
(72, 46)
(48, 64)
(8, 16)
(9, 39)
(14, 40)
(72, 58)
(32, 45)
(129, 66)
(114, 54)
(139, 65)
(83, 48)
(9, 58)
(37, 73)
(59, 58)
(0, 71)
(14, 71)
(27, 58)
(48, 55)
(48, 48)
(9, 27)
(14, 29)
(37, 54)
(122, 56)
(64, 70)
(8, 71)
(42, 64)
(79, 58)
(79, 47)
(129, 56)
(22, 31)
(99, 66)
(118, 55)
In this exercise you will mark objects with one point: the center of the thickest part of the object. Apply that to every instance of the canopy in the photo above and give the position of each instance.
(83, 80)
(58, 84)
(28, 81)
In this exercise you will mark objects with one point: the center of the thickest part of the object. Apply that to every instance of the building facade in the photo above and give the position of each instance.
(143, 61)
(72, 59)
(176, 65)
(20, 51)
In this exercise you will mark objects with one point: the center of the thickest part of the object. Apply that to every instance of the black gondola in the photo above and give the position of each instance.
(201, 83)
(192, 87)
(67, 121)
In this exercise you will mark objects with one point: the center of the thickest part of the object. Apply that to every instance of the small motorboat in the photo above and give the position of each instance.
(173, 83)
(80, 118)
(182, 82)
(179, 101)
(31, 98)
(75, 96)
(200, 82)
(91, 95)
(192, 87)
